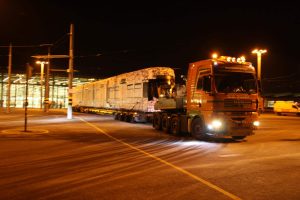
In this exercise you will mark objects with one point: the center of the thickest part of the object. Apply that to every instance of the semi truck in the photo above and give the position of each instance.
(219, 98)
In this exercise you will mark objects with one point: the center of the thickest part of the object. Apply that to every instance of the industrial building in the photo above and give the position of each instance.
(58, 90)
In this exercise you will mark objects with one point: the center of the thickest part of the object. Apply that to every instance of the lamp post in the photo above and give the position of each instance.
(259, 52)
(42, 63)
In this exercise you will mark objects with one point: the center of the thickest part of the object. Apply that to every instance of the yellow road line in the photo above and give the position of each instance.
(232, 196)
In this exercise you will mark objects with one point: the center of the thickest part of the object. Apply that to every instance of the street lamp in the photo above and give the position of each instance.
(47, 57)
(42, 63)
(259, 52)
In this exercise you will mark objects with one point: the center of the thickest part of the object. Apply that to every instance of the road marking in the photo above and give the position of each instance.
(232, 196)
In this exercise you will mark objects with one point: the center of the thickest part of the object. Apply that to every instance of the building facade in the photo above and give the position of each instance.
(15, 94)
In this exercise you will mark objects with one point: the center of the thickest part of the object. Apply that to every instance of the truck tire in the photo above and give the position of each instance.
(198, 130)
(157, 121)
(238, 137)
(165, 123)
(175, 126)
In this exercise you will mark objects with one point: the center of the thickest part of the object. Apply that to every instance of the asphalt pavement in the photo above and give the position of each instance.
(95, 157)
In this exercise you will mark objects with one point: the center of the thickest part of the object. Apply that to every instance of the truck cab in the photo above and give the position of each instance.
(222, 98)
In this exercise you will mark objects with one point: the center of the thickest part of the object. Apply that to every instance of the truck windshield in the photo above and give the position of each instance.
(235, 82)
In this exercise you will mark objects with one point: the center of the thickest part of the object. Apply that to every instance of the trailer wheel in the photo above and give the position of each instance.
(130, 118)
(127, 118)
(157, 121)
(198, 130)
(175, 126)
(118, 116)
(123, 117)
(165, 123)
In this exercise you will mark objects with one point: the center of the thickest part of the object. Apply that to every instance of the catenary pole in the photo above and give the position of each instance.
(9, 79)
(70, 71)
(28, 75)
(46, 101)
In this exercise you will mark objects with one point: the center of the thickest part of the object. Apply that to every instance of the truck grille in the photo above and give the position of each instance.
(237, 103)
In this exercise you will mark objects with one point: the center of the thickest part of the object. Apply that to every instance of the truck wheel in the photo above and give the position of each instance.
(175, 126)
(238, 137)
(198, 130)
(157, 121)
(165, 123)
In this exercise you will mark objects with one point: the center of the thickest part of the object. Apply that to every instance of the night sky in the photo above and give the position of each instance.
(116, 37)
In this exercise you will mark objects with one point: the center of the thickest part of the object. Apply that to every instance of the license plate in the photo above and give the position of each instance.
(242, 124)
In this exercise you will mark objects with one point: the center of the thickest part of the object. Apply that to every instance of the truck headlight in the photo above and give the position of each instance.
(215, 125)
(256, 123)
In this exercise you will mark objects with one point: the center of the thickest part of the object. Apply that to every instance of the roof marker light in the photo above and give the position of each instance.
(243, 59)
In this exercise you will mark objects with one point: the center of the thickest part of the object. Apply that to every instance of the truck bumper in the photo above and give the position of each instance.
(235, 126)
